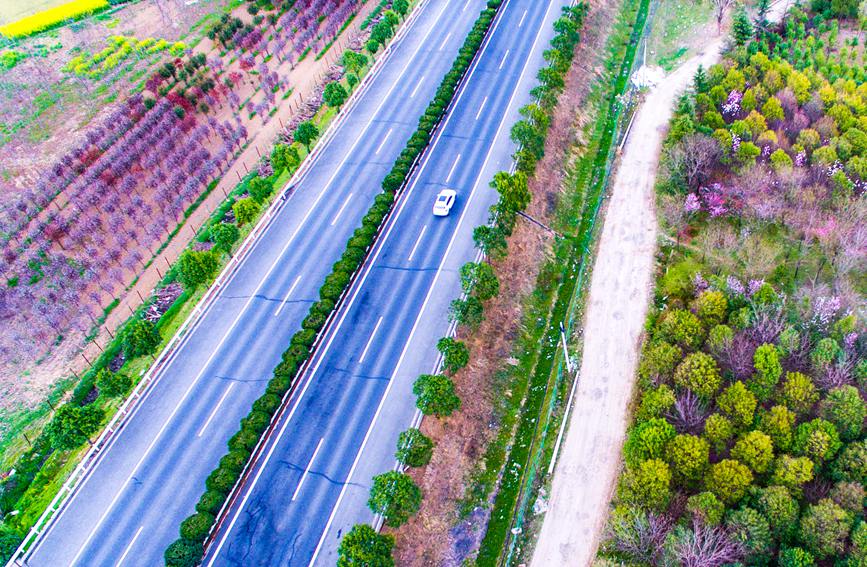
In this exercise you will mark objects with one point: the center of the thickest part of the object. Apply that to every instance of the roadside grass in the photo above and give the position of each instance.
(674, 23)
(559, 286)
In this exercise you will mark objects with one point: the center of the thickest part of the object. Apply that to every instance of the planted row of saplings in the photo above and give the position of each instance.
(187, 550)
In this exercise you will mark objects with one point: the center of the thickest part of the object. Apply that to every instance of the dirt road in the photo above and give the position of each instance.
(619, 293)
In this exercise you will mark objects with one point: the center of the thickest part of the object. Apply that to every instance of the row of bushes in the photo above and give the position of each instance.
(187, 549)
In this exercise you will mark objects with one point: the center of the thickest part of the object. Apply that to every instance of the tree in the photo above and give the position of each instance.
(720, 7)
(760, 24)
(305, 133)
(245, 210)
(844, 408)
(490, 240)
(818, 440)
(111, 384)
(400, 6)
(353, 61)
(513, 190)
(197, 526)
(73, 425)
(711, 307)
(647, 440)
(224, 236)
(728, 480)
(751, 529)
(705, 508)
(284, 156)
(655, 402)
(414, 448)
(260, 188)
(363, 547)
(755, 450)
(778, 423)
(479, 279)
(780, 510)
(140, 337)
(436, 395)
(796, 557)
(772, 110)
(395, 496)
(183, 553)
(197, 267)
(455, 353)
(688, 455)
(766, 361)
(647, 484)
(824, 528)
(792, 472)
(334, 94)
(681, 327)
(469, 312)
(718, 430)
(738, 403)
(699, 373)
(742, 29)
(658, 361)
(851, 465)
(798, 393)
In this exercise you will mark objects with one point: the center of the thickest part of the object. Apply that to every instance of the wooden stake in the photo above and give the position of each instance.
(85, 359)
(139, 296)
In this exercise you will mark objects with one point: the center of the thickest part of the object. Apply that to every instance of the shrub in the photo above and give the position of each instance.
(436, 395)
(755, 450)
(818, 440)
(798, 393)
(395, 496)
(728, 480)
(781, 161)
(183, 553)
(647, 484)
(824, 528)
(658, 361)
(738, 403)
(245, 211)
(711, 307)
(780, 510)
(681, 327)
(196, 527)
(825, 352)
(111, 384)
(699, 373)
(211, 502)
(139, 338)
(414, 448)
(224, 236)
(244, 439)
(844, 408)
(363, 547)
(73, 425)
(197, 267)
(260, 189)
(655, 402)
(718, 430)
(647, 440)
(455, 353)
(221, 480)
(778, 423)
(705, 508)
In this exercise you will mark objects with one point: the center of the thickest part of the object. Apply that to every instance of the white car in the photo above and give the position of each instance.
(444, 203)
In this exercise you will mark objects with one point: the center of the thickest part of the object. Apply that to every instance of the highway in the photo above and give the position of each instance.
(148, 479)
(341, 427)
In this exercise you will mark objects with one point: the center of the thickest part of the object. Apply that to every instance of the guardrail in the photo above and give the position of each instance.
(144, 387)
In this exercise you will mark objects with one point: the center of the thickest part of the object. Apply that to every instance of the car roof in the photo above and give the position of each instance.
(447, 193)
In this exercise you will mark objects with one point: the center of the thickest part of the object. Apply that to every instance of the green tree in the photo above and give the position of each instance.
(479, 279)
(490, 240)
(197, 526)
(647, 440)
(395, 496)
(755, 450)
(824, 529)
(711, 307)
(792, 472)
(825, 352)
(647, 484)
(728, 480)
(283, 157)
(706, 508)
(818, 440)
(681, 327)
(435, 395)
(658, 361)
(197, 267)
(737, 402)
(844, 408)
(688, 456)
(111, 384)
(772, 110)
(798, 393)
(73, 425)
(363, 547)
(752, 530)
(655, 402)
(779, 424)
(468, 312)
(183, 553)
(513, 190)
(305, 133)
(334, 94)
(353, 61)
(140, 337)
(781, 511)
(260, 188)
(849, 496)
(851, 464)
(698, 372)
(414, 448)
(400, 6)
(796, 557)
(742, 29)
(699, 80)
(245, 210)
(766, 361)
(224, 236)
(455, 353)
(718, 430)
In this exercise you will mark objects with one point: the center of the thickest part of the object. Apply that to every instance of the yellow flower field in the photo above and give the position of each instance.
(46, 19)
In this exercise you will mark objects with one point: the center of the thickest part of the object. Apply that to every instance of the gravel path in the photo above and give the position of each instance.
(620, 288)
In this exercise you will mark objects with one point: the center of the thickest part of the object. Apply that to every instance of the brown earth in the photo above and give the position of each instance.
(429, 539)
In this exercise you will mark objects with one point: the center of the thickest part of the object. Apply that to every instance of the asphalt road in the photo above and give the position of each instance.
(129, 507)
(341, 429)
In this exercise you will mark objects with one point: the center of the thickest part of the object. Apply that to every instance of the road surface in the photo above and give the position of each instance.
(130, 505)
(312, 484)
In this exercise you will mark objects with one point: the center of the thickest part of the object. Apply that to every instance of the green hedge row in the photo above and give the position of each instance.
(187, 550)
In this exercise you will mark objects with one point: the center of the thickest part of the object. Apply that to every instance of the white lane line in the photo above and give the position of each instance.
(129, 547)
(482, 107)
(521, 23)
(288, 293)
(467, 5)
(370, 341)
(384, 140)
(452, 170)
(307, 383)
(417, 242)
(417, 85)
(443, 44)
(340, 212)
(307, 470)
(503, 61)
(216, 409)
